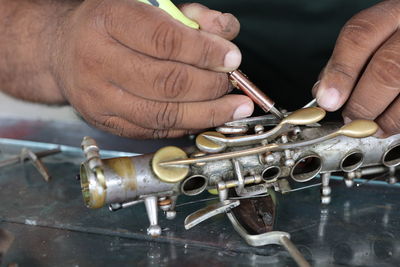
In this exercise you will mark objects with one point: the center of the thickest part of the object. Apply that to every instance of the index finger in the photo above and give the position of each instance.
(379, 85)
(212, 21)
(154, 32)
(357, 42)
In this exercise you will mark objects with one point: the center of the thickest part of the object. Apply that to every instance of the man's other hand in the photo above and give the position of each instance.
(131, 69)
(363, 72)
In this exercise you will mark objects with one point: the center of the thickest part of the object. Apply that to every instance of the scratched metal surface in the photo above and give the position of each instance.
(53, 228)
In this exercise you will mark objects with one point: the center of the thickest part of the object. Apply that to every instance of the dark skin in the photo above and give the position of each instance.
(132, 70)
(363, 73)
(156, 79)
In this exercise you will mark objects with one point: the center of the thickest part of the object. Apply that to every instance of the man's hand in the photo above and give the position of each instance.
(364, 70)
(131, 69)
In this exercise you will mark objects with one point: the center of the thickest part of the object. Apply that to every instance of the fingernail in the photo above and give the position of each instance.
(243, 111)
(232, 59)
(346, 120)
(315, 87)
(316, 84)
(224, 23)
(328, 98)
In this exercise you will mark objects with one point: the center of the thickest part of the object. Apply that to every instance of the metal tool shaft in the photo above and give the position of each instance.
(241, 82)
(10, 161)
(294, 252)
(45, 153)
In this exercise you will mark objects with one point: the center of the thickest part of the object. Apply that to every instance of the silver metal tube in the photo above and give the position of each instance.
(294, 252)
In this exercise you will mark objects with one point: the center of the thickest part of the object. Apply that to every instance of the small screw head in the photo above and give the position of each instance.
(325, 200)
(165, 207)
(289, 163)
(154, 230)
(269, 159)
(349, 182)
(259, 129)
(296, 131)
(170, 214)
(392, 180)
(326, 191)
(351, 175)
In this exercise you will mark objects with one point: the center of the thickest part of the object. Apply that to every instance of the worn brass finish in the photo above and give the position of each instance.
(170, 174)
(359, 129)
(125, 169)
(305, 116)
(209, 146)
(165, 202)
(94, 194)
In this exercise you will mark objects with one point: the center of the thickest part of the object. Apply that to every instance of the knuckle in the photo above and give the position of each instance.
(341, 68)
(160, 134)
(212, 116)
(120, 127)
(220, 86)
(105, 16)
(141, 134)
(358, 31)
(206, 55)
(176, 83)
(356, 110)
(390, 124)
(89, 60)
(385, 68)
(388, 8)
(111, 16)
(168, 116)
(167, 40)
(115, 124)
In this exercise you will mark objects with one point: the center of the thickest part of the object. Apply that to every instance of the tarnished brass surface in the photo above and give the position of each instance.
(170, 174)
(359, 129)
(94, 194)
(305, 116)
(125, 168)
(165, 202)
(209, 146)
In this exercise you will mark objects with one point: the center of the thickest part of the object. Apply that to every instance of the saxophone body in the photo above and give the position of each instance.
(249, 158)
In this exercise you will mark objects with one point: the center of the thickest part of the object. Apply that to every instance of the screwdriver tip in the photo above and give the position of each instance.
(276, 113)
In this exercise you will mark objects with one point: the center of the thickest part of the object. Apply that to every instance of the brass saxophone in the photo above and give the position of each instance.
(249, 157)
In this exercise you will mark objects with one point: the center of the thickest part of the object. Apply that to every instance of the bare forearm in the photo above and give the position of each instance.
(28, 31)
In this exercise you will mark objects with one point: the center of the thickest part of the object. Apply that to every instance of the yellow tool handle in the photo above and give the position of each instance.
(171, 9)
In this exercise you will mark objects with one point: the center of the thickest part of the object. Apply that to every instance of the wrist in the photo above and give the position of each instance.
(55, 44)
(28, 30)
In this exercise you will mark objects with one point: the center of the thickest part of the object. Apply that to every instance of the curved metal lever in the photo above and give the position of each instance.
(209, 211)
(269, 238)
(303, 116)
